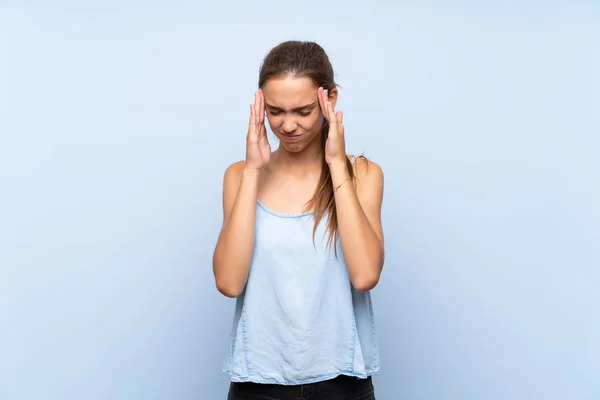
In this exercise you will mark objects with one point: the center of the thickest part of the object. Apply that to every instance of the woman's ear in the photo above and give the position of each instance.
(333, 96)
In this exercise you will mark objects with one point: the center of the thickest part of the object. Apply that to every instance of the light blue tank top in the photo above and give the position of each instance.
(299, 319)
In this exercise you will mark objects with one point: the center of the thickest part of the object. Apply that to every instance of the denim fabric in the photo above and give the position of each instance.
(340, 388)
(299, 319)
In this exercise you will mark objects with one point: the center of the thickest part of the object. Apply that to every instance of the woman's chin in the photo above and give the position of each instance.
(292, 147)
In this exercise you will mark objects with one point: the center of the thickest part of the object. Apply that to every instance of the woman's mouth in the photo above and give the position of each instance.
(290, 138)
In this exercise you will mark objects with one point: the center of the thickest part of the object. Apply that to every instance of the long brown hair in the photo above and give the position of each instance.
(308, 59)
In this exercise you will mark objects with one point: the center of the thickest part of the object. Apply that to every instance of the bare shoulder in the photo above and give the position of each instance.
(369, 175)
(369, 190)
(232, 178)
(231, 185)
(234, 171)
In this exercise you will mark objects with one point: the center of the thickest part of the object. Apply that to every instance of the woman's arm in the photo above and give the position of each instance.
(359, 221)
(233, 253)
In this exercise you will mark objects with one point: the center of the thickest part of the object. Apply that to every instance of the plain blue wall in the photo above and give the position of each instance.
(117, 122)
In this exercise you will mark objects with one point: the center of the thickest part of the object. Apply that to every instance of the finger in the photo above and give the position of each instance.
(332, 117)
(263, 114)
(251, 116)
(325, 104)
(340, 117)
(256, 103)
(322, 102)
(319, 98)
(252, 124)
(257, 108)
(261, 107)
(260, 115)
(263, 136)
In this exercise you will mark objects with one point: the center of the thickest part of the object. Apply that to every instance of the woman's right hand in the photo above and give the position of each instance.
(258, 149)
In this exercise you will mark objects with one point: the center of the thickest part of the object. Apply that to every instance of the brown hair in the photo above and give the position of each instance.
(308, 59)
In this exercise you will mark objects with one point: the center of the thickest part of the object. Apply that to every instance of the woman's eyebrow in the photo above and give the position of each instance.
(295, 109)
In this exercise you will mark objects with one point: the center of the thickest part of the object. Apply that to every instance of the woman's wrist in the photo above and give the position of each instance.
(249, 181)
(339, 173)
(251, 173)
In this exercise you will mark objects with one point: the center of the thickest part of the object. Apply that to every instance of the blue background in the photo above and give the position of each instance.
(117, 120)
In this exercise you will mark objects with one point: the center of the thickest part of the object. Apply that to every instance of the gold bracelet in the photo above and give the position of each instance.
(335, 189)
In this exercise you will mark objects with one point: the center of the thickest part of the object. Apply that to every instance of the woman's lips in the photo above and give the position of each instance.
(290, 138)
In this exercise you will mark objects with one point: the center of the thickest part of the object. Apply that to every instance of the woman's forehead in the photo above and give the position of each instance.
(290, 92)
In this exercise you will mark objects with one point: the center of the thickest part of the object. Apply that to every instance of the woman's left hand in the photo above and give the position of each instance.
(335, 147)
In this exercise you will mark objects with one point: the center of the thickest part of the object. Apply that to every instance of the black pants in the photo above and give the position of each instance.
(340, 388)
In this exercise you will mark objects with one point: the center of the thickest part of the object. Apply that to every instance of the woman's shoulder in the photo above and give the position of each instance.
(235, 169)
(365, 168)
(368, 181)
(233, 176)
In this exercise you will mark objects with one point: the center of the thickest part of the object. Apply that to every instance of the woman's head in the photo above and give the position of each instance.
(290, 76)
(298, 59)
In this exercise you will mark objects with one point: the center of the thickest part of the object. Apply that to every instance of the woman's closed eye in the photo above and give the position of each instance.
(304, 113)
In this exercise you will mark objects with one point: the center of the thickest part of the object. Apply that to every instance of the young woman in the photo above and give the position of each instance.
(301, 244)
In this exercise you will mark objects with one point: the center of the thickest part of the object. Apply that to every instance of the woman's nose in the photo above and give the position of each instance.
(289, 126)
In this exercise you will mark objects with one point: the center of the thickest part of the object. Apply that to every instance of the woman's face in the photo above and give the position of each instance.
(293, 111)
